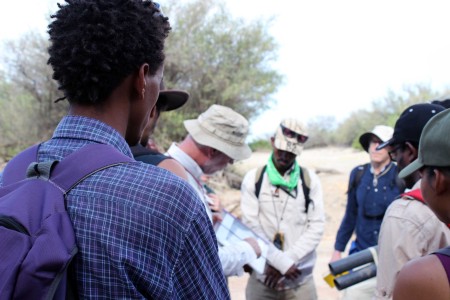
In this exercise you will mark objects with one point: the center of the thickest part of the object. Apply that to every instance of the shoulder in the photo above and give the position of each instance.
(152, 188)
(360, 170)
(173, 166)
(408, 208)
(250, 176)
(422, 278)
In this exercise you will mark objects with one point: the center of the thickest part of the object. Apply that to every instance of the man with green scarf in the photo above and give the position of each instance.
(274, 205)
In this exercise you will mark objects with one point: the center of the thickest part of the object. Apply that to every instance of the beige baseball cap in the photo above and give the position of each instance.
(290, 136)
(223, 129)
(434, 145)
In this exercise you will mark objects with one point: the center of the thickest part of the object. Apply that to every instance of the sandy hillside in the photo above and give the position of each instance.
(333, 166)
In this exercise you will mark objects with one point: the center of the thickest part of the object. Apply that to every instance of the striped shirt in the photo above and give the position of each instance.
(142, 232)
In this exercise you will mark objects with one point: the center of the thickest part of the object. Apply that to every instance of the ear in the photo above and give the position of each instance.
(153, 112)
(413, 152)
(140, 83)
(440, 183)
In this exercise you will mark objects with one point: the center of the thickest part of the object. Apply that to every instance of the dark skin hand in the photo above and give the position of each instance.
(273, 276)
(293, 272)
(248, 269)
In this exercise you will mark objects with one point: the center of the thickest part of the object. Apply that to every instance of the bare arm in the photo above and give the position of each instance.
(173, 166)
(422, 279)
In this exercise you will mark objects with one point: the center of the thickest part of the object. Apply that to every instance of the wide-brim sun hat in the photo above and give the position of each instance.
(383, 132)
(223, 129)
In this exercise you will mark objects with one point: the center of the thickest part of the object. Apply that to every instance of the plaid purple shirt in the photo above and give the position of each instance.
(141, 231)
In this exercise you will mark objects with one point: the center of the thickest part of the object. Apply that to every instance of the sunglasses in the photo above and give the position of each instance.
(293, 135)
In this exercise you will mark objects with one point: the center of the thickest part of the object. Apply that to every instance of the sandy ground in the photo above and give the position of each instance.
(333, 166)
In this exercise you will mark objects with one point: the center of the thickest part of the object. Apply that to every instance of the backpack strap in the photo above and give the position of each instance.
(357, 178)
(258, 179)
(70, 171)
(304, 176)
(306, 186)
(84, 162)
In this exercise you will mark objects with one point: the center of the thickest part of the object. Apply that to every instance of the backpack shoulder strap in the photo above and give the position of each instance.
(304, 175)
(306, 186)
(85, 162)
(357, 178)
(258, 179)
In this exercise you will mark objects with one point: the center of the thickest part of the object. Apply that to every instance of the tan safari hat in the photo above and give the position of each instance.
(223, 129)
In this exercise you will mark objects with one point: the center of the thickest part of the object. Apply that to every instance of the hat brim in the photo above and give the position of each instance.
(203, 137)
(385, 144)
(411, 168)
(364, 140)
(171, 99)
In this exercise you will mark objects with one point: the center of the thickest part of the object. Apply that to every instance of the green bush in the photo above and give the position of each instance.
(259, 145)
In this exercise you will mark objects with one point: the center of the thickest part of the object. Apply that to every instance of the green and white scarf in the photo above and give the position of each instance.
(278, 180)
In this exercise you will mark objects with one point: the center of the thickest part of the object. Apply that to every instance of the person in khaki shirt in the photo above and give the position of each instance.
(428, 277)
(281, 213)
(409, 229)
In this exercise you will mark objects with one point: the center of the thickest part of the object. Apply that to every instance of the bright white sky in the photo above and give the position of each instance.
(336, 56)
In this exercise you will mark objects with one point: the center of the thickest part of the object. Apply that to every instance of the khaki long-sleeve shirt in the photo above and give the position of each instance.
(275, 211)
(410, 229)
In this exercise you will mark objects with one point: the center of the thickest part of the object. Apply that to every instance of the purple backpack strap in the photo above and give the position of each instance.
(444, 256)
(70, 171)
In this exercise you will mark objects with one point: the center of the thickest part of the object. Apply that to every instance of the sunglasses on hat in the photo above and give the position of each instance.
(293, 135)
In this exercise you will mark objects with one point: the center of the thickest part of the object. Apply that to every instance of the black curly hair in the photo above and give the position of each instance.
(96, 44)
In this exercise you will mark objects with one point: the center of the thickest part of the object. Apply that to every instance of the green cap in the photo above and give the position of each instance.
(434, 145)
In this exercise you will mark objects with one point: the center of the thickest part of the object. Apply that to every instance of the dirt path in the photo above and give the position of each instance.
(333, 166)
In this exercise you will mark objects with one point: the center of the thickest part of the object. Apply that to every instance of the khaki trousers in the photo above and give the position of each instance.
(364, 290)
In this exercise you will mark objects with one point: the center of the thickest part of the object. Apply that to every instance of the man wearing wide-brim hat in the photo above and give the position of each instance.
(215, 139)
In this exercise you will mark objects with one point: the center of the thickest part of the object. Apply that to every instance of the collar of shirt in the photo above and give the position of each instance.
(386, 168)
(84, 128)
(186, 161)
(415, 186)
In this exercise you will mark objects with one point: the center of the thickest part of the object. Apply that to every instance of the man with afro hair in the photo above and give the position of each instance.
(142, 232)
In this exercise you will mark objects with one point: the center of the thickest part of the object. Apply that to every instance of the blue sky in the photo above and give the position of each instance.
(336, 56)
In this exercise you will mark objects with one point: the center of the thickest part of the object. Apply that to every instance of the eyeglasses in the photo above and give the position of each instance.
(393, 152)
(293, 135)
